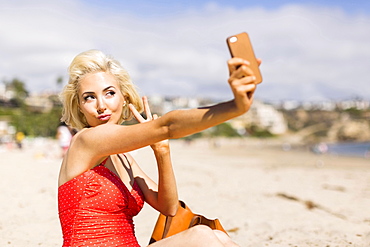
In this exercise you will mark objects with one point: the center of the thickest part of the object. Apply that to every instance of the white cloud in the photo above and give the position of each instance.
(308, 52)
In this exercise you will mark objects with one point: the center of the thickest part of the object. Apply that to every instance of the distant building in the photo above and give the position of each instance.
(39, 104)
(162, 105)
(6, 94)
(264, 116)
(356, 104)
(6, 130)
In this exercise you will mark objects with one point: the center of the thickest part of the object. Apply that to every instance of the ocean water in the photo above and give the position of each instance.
(359, 149)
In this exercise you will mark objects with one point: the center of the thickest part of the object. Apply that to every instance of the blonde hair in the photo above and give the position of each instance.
(94, 61)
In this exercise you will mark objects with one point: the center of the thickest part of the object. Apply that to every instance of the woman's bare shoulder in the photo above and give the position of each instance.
(78, 159)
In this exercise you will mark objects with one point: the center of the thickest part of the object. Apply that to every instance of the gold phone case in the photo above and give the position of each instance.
(241, 46)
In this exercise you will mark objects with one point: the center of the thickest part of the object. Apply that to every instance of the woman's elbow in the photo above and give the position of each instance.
(171, 210)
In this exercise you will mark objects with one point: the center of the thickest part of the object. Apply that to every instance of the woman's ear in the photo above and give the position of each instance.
(126, 101)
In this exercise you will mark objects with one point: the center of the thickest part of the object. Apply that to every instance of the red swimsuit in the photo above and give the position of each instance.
(96, 209)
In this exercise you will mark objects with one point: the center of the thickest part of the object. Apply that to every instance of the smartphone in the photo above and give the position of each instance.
(241, 46)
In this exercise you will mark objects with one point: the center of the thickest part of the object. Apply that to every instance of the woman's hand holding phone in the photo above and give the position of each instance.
(244, 70)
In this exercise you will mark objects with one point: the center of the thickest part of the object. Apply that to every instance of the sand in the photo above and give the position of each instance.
(263, 195)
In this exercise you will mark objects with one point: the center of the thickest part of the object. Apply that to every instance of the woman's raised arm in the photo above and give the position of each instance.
(110, 138)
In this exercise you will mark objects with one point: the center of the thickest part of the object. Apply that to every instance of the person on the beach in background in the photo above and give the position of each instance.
(64, 136)
(101, 187)
(19, 136)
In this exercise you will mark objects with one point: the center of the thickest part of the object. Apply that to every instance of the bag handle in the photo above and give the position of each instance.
(184, 219)
(168, 222)
(167, 226)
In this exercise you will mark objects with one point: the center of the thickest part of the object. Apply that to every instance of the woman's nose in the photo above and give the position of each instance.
(101, 106)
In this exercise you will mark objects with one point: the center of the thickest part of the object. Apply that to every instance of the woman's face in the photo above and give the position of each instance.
(100, 98)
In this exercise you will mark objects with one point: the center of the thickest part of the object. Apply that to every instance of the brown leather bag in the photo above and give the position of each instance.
(184, 219)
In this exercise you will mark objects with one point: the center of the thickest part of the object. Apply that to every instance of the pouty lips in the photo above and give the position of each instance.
(104, 117)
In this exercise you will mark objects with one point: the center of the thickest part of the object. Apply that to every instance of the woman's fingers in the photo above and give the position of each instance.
(239, 68)
(136, 114)
(234, 63)
(242, 82)
(245, 89)
(259, 61)
(148, 113)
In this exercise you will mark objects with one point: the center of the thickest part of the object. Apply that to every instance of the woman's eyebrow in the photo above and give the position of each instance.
(87, 93)
(107, 88)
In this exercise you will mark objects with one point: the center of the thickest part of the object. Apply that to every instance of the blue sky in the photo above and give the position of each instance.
(311, 50)
(163, 7)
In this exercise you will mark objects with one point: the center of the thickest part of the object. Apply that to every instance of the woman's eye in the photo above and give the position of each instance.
(88, 97)
(111, 93)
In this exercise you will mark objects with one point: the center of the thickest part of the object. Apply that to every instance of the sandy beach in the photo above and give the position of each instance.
(264, 194)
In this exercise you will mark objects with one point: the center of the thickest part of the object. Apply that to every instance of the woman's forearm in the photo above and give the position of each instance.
(167, 188)
(185, 122)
